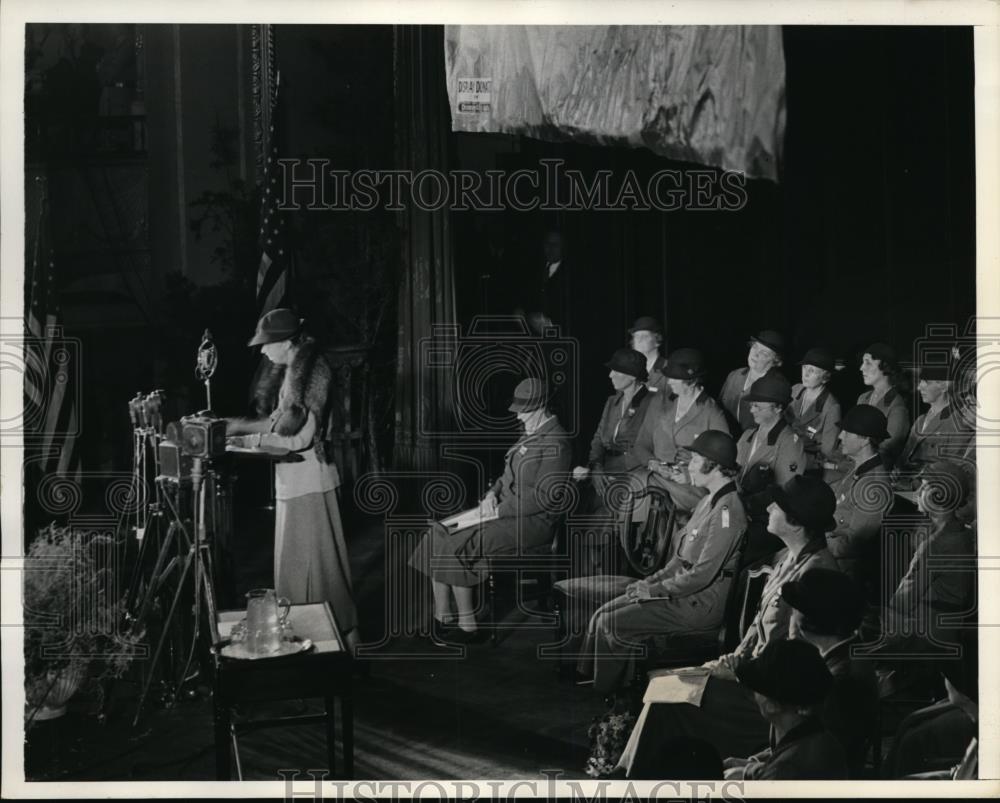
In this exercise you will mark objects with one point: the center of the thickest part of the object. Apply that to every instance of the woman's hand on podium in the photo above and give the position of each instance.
(581, 473)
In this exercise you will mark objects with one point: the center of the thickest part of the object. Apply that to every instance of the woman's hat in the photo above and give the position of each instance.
(771, 387)
(831, 602)
(808, 500)
(789, 671)
(628, 361)
(277, 325)
(717, 446)
(646, 323)
(821, 358)
(773, 340)
(684, 364)
(867, 421)
(529, 395)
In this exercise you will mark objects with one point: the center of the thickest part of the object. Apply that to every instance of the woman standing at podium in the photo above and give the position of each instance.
(310, 553)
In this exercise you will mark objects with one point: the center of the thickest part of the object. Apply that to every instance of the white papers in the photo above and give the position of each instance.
(467, 518)
(678, 686)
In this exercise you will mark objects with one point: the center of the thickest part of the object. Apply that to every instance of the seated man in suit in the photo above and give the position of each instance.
(790, 681)
(688, 594)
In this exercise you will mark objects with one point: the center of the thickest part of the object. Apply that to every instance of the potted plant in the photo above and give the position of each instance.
(71, 619)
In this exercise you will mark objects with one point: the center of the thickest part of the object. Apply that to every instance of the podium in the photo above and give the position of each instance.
(325, 671)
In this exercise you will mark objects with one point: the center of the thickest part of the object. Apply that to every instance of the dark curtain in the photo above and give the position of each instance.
(426, 287)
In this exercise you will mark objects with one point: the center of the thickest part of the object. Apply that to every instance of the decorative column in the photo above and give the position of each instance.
(426, 286)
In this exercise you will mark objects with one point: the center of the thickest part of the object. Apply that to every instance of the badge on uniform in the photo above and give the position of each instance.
(522, 451)
(725, 516)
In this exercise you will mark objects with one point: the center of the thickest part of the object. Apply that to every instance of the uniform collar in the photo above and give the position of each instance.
(772, 436)
(728, 488)
(871, 463)
(820, 400)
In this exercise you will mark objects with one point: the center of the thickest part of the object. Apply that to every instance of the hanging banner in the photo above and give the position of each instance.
(714, 95)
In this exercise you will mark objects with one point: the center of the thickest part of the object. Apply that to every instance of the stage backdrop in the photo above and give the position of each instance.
(711, 95)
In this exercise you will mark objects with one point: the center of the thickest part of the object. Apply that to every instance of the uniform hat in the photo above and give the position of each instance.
(882, 352)
(628, 361)
(950, 484)
(789, 671)
(866, 420)
(277, 325)
(934, 372)
(646, 324)
(684, 364)
(529, 395)
(830, 601)
(821, 358)
(773, 340)
(808, 500)
(772, 387)
(717, 446)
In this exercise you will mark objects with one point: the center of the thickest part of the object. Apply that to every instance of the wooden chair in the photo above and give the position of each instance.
(646, 544)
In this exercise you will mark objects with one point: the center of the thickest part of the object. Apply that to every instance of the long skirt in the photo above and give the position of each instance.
(310, 555)
(728, 718)
(459, 558)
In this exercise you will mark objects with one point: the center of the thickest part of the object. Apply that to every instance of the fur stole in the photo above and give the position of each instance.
(307, 383)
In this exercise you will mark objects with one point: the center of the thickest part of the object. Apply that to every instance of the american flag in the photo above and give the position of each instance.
(50, 405)
(275, 256)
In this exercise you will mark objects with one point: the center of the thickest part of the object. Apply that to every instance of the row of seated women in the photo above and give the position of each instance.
(799, 485)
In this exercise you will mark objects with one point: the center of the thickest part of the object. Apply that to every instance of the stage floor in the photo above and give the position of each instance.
(497, 713)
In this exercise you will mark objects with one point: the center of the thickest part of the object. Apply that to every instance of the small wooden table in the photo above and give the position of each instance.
(324, 671)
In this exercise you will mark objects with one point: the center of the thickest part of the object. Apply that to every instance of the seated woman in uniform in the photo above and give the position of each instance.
(802, 511)
(925, 608)
(763, 359)
(682, 418)
(455, 560)
(880, 370)
(941, 433)
(814, 411)
(614, 449)
(688, 594)
(769, 454)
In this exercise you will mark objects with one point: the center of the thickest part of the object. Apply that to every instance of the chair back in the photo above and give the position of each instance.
(646, 544)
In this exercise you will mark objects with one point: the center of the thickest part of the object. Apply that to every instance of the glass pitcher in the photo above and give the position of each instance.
(264, 626)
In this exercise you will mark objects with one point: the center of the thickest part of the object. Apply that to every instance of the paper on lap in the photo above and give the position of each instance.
(467, 518)
(677, 686)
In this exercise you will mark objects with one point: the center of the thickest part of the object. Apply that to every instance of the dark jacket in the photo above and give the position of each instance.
(897, 414)
(941, 438)
(612, 448)
(818, 426)
(533, 468)
(807, 752)
(864, 497)
(731, 398)
(851, 709)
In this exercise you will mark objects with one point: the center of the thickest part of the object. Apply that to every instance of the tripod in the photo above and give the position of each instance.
(198, 561)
